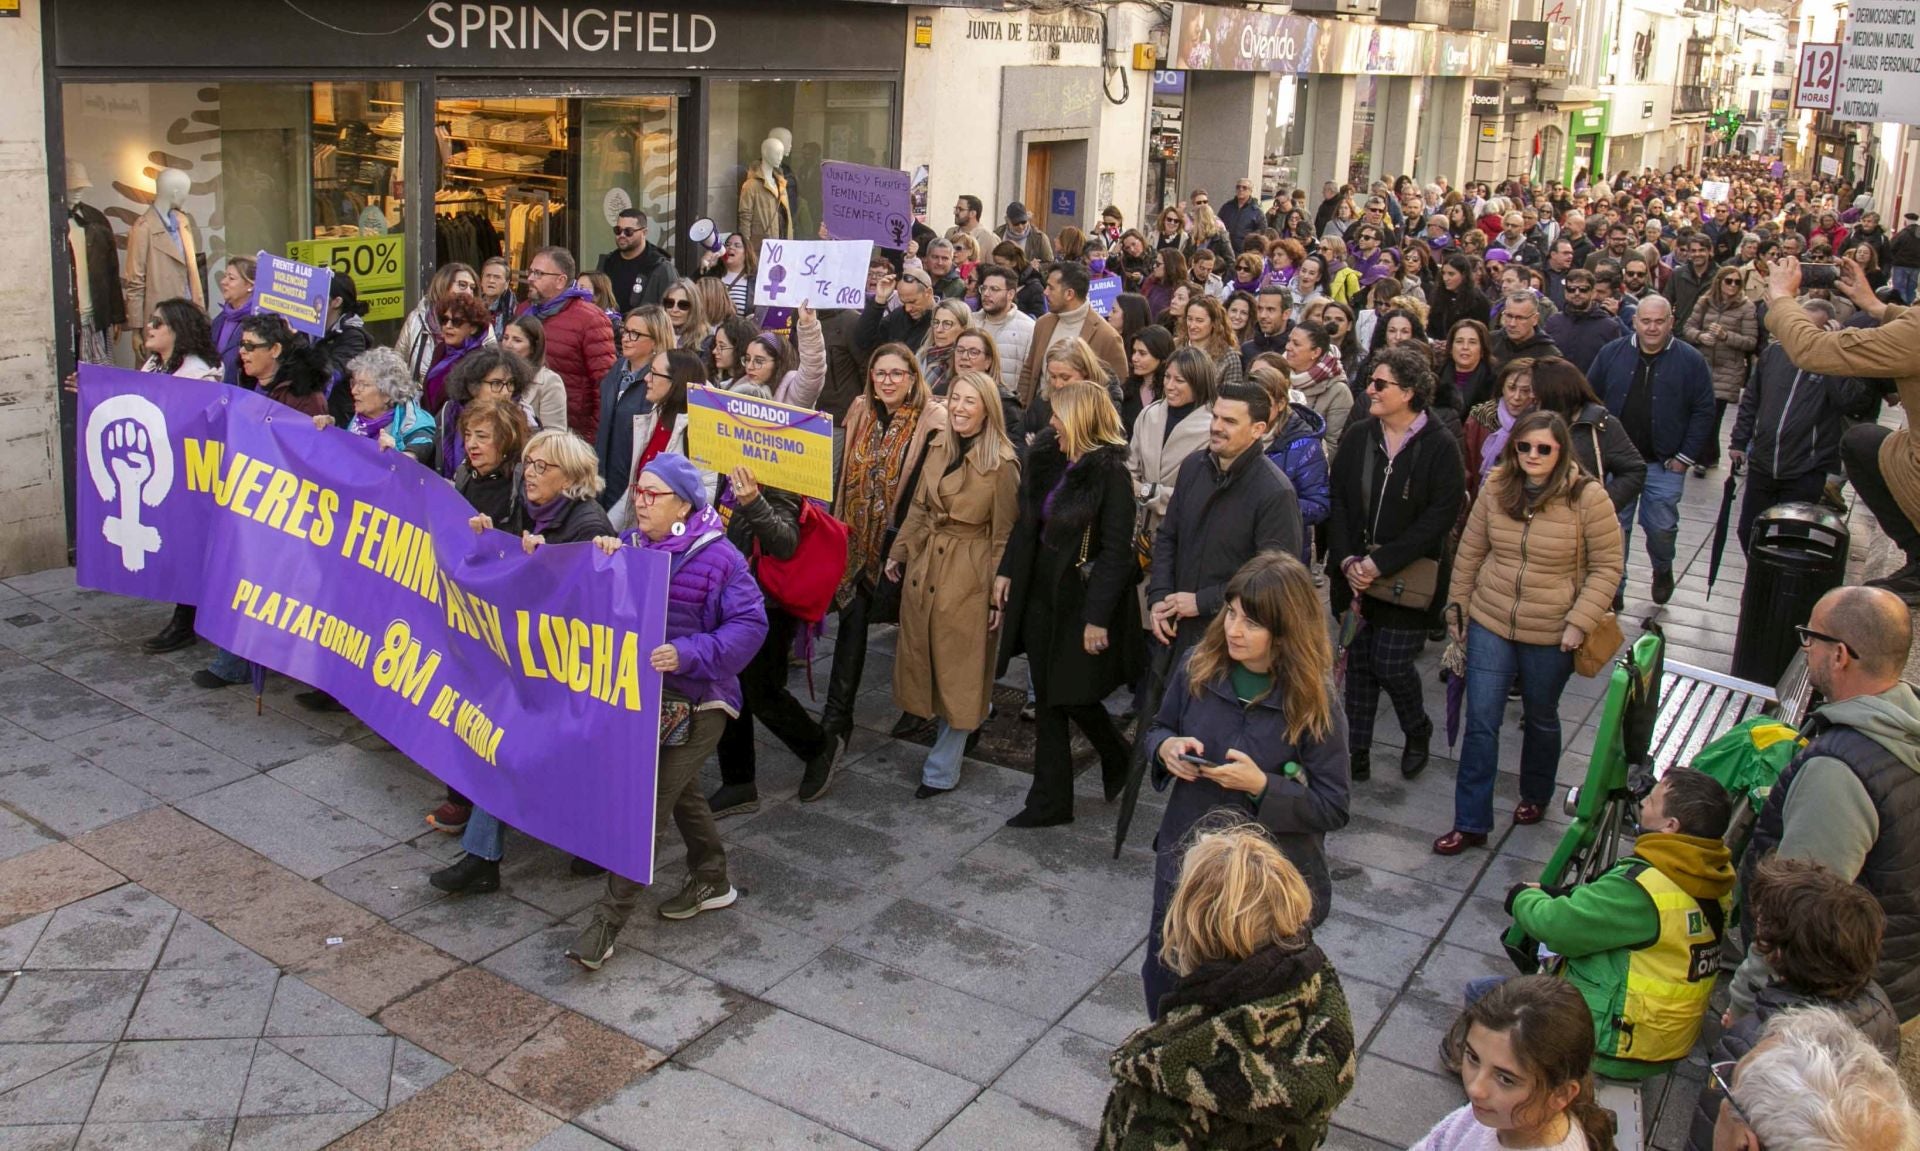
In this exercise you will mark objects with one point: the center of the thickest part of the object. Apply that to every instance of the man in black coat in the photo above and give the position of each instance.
(1519, 333)
(1230, 503)
(906, 324)
(1581, 328)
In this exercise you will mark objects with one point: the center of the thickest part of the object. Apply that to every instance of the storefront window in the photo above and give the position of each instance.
(850, 120)
(272, 167)
(1365, 95)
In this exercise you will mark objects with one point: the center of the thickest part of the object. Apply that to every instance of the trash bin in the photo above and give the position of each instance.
(1799, 554)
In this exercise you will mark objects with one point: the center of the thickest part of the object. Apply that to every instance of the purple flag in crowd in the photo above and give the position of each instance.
(523, 681)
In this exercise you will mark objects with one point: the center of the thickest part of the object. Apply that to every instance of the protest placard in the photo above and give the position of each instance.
(1102, 291)
(294, 290)
(521, 680)
(786, 446)
(1715, 190)
(824, 273)
(858, 202)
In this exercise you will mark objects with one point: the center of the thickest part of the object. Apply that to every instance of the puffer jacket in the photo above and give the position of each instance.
(1299, 450)
(1789, 422)
(1728, 357)
(716, 617)
(1526, 580)
(1870, 1011)
(580, 350)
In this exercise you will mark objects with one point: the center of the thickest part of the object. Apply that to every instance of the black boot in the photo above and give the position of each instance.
(1413, 760)
(472, 874)
(177, 634)
(1361, 759)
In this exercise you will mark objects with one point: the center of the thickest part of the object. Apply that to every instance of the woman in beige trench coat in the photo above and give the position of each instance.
(946, 555)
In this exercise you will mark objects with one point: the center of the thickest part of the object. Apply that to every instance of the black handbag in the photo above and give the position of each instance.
(883, 595)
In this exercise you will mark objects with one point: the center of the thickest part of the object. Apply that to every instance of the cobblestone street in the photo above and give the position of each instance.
(218, 933)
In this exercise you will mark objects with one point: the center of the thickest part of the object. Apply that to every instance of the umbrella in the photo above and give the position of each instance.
(259, 687)
(1160, 662)
(1351, 621)
(1453, 661)
(1720, 528)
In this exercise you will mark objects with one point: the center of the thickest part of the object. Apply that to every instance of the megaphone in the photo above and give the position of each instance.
(704, 233)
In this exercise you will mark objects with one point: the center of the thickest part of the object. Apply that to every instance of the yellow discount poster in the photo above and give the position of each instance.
(786, 446)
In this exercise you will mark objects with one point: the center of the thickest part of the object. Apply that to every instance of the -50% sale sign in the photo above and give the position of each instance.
(376, 263)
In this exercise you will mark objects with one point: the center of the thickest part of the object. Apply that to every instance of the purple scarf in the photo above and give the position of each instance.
(1497, 442)
(545, 515)
(226, 338)
(545, 309)
(700, 524)
(370, 426)
(453, 445)
(435, 393)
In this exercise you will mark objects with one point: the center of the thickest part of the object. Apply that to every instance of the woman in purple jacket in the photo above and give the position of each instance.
(716, 621)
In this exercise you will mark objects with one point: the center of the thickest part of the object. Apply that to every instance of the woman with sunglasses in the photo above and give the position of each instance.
(179, 342)
(1169, 276)
(1536, 569)
(690, 324)
(420, 335)
(888, 429)
(1173, 232)
(644, 333)
(464, 328)
(1397, 484)
(1725, 326)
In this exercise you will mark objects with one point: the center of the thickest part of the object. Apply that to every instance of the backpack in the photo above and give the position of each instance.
(804, 584)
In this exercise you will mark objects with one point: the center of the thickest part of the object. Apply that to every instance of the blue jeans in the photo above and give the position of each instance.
(942, 768)
(230, 667)
(485, 836)
(1478, 989)
(1659, 508)
(1492, 663)
(1906, 281)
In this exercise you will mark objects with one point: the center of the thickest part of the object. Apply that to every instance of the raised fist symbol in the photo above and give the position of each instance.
(131, 464)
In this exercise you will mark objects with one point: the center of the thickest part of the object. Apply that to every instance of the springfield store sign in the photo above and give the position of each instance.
(1880, 63)
(525, 28)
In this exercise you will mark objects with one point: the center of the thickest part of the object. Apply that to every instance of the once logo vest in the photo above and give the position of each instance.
(1670, 980)
(1891, 871)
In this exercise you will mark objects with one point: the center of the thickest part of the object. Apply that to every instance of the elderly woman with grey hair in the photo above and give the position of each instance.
(386, 405)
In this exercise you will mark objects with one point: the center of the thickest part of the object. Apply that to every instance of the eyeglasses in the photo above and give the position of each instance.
(891, 374)
(656, 375)
(626, 231)
(1808, 636)
(1203, 203)
(1722, 1074)
(1579, 288)
(1528, 448)
(156, 324)
(677, 305)
(249, 345)
(647, 497)
(542, 273)
(630, 334)
(759, 361)
(536, 468)
(1381, 383)
(497, 384)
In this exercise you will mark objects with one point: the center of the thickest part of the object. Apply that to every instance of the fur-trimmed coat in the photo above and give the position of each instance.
(1250, 1054)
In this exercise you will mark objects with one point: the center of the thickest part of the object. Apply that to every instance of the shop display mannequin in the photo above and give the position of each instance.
(765, 210)
(162, 255)
(99, 307)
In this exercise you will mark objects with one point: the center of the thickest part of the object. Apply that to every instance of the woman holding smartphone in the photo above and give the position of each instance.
(1250, 729)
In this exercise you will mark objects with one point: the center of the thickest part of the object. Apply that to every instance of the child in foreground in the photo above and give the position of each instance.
(1525, 1054)
(1254, 1045)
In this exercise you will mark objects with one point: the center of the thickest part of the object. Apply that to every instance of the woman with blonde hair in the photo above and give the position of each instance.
(716, 302)
(950, 318)
(1206, 328)
(889, 428)
(686, 309)
(944, 558)
(1250, 726)
(1065, 593)
(1255, 1045)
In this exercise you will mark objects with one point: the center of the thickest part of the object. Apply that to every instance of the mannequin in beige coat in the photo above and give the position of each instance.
(766, 211)
(159, 267)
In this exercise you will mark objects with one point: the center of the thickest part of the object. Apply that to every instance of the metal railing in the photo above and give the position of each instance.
(1689, 98)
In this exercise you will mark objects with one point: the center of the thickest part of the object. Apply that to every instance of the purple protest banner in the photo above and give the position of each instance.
(862, 203)
(522, 681)
(289, 288)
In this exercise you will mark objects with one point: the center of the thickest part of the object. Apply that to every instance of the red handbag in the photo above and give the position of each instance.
(803, 585)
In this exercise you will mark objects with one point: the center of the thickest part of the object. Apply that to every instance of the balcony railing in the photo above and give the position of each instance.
(1690, 98)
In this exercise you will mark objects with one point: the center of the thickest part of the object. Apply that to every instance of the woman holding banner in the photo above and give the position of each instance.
(944, 560)
(560, 479)
(772, 363)
(888, 429)
(179, 343)
(716, 621)
(385, 407)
